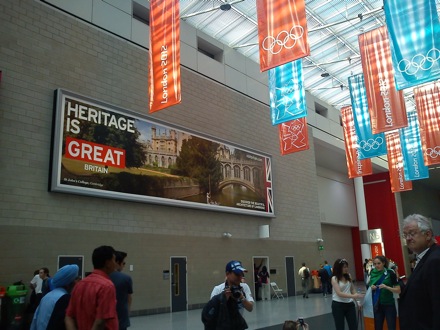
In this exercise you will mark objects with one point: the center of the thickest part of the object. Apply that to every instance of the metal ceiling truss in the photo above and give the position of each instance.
(333, 27)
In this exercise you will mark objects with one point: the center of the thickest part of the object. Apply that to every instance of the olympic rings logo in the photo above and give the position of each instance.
(285, 39)
(371, 144)
(419, 62)
(433, 152)
(295, 129)
(291, 87)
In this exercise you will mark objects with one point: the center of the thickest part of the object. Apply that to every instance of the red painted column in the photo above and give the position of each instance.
(382, 213)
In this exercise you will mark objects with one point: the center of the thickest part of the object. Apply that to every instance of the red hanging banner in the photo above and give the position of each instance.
(376, 250)
(164, 89)
(385, 104)
(282, 32)
(356, 167)
(395, 163)
(428, 111)
(293, 136)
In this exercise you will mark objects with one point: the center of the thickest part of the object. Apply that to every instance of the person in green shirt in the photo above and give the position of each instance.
(383, 283)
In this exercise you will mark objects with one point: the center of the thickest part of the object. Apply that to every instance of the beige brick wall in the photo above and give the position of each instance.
(41, 50)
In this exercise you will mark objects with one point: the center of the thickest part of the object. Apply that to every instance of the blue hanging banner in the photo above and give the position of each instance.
(413, 165)
(414, 31)
(370, 145)
(287, 93)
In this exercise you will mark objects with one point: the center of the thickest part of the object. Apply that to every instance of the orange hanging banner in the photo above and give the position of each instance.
(293, 136)
(428, 111)
(376, 250)
(164, 89)
(282, 32)
(385, 104)
(395, 163)
(356, 167)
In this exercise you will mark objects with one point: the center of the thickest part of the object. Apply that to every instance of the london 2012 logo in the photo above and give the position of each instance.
(284, 40)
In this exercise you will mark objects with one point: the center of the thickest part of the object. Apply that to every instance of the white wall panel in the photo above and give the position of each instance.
(337, 204)
(112, 19)
(80, 8)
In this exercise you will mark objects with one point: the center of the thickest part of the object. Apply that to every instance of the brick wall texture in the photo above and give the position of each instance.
(42, 49)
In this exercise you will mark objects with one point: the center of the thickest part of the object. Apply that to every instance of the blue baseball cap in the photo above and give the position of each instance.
(236, 267)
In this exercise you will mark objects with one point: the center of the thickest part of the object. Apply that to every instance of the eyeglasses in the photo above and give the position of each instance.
(343, 261)
(411, 234)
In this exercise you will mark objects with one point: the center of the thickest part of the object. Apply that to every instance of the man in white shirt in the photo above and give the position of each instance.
(234, 276)
(305, 278)
(229, 299)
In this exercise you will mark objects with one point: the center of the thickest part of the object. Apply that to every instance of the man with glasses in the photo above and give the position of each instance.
(419, 302)
(229, 300)
(124, 290)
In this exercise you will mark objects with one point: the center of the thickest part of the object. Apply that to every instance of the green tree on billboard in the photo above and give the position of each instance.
(198, 160)
(135, 155)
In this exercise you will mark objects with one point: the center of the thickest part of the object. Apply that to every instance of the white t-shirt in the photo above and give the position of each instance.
(37, 282)
(345, 288)
(246, 292)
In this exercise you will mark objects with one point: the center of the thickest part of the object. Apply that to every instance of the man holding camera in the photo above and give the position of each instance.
(228, 301)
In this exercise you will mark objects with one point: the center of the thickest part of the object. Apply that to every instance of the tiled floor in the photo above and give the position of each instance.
(266, 314)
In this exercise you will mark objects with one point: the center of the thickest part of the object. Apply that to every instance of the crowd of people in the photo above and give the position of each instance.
(101, 300)
(417, 298)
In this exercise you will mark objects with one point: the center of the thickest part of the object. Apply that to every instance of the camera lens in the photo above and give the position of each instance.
(236, 291)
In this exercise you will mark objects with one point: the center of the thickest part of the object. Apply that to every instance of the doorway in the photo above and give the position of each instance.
(290, 276)
(258, 262)
(178, 284)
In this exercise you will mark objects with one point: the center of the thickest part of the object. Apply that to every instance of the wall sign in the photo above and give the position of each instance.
(105, 151)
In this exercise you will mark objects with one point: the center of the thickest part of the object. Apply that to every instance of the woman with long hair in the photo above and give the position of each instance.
(383, 283)
(344, 296)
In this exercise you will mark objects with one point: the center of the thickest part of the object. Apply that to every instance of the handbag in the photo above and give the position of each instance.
(367, 304)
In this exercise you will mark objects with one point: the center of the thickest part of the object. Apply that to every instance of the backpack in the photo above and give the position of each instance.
(210, 313)
(217, 316)
(306, 273)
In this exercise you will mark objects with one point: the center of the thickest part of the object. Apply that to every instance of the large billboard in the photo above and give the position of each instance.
(107, 151)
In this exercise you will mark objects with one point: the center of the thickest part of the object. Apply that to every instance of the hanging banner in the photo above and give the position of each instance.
(164, 89)
(282, 32)
(427, 100)
(376, 250)
(386, 104)
(287, 93)
(369, 144)
(412, 151)
(293, 136)
(395, 163)
(414, 30)
(356, 167)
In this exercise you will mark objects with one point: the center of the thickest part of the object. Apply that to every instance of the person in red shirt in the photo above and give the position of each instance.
(93, 300)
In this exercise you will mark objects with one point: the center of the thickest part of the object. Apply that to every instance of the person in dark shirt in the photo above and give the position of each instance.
(325, 280)
(124, 290)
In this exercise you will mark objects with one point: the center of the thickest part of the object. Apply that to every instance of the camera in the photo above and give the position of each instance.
(301, 321)
(236, 291)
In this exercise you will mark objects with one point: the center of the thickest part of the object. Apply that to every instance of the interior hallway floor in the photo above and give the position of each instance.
(267, 315)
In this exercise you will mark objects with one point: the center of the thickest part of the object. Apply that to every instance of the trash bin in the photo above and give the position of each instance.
(2, 295)
(14, 306)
